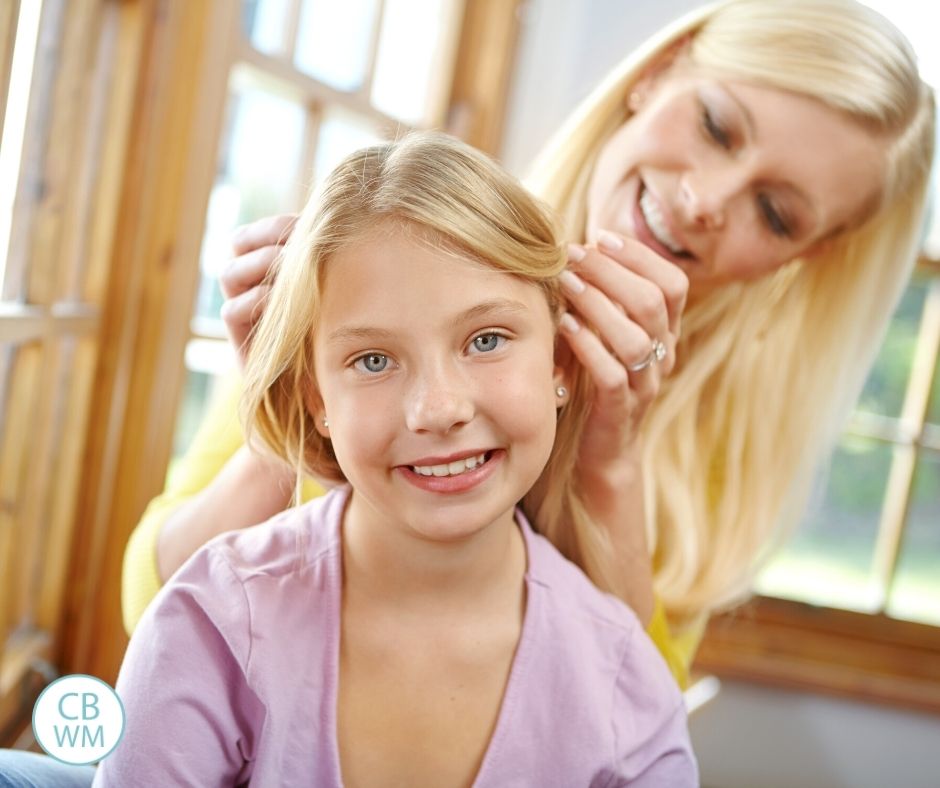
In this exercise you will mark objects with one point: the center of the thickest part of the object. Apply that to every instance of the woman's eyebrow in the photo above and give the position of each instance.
(751, 126)
(485, 308)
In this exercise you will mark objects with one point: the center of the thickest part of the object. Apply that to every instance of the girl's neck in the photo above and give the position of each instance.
(381, 560)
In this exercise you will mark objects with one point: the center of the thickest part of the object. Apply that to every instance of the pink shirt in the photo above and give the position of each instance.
(231, 676)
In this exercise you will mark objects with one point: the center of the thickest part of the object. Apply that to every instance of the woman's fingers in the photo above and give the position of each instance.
(628, 302)
(628, 339)
(247, 271)
(240, 313)
(670, 280)
(620, 398)
(255, 247)
(269, 231)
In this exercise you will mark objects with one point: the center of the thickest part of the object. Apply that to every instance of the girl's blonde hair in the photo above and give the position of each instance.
(766, 369)
(441, 192)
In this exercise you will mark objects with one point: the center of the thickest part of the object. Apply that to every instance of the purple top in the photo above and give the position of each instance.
(231, 676)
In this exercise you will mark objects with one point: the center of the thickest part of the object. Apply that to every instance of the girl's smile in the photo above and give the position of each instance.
(456, 476)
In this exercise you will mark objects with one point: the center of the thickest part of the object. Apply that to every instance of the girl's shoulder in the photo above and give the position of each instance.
(296, 541)
(570, 590)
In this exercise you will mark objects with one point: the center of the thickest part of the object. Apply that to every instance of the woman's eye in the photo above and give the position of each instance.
(487, 342)
(714, 128)
(371, 362)
(775, 222)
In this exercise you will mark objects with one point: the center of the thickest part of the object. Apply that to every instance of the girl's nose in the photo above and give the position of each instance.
(439, 403)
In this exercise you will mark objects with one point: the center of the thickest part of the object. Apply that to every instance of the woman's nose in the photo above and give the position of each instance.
(704, 196)
(438, 403)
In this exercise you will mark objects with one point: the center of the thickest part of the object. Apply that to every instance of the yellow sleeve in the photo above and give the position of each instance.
(218, 438)
(677, 650)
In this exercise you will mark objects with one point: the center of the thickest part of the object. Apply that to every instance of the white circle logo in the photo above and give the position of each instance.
(78, 719)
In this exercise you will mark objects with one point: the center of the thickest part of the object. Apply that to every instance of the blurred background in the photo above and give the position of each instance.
(136, 134)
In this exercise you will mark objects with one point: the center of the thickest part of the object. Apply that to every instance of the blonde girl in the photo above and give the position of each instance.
(408, 628)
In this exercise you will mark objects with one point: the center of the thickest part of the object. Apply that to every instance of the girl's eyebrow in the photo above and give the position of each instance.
(485, 308)
(492, 306)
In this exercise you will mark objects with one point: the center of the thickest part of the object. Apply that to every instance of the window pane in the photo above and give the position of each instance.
(829, 560)
(341, 133)
(206, 362)
(414, 45)
(887, 383)
(14, 120)
(915, 594)
(263, 24)
(933, 410)
(260, 175)
(334, 40)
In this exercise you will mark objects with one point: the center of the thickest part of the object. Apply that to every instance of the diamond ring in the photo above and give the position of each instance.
(657, 353)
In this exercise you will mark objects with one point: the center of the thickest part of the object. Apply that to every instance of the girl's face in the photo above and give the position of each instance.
(730, 180)
(437, 377)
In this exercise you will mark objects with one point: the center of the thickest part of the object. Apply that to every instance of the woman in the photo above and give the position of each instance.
(757, 171)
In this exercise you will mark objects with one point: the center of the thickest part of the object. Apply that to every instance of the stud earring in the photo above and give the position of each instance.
(561, 392)
(326, 423)
(634, 100)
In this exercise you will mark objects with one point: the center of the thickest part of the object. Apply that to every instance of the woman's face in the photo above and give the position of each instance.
(730, 180)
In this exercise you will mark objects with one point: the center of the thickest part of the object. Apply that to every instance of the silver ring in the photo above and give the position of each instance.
(657, 353)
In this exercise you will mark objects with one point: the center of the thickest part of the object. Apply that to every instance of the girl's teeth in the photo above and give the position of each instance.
(654, 220)
(450, 469)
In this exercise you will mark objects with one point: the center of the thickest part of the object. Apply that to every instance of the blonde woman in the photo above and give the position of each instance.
(408, 628)
(745, 194)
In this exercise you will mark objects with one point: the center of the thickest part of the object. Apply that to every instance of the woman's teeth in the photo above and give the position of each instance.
(451, 468)
(654, 220)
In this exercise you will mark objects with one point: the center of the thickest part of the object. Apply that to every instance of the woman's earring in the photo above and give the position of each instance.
(326, 423)
(634, 100)
(561, 392)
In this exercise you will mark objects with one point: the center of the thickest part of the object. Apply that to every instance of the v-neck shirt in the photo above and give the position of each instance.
(231, 677)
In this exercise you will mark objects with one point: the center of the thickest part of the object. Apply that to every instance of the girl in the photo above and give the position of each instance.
(764, 161)
(409, 628)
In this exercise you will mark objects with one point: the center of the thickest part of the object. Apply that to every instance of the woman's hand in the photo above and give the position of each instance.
(631, 297)
(625, 296)
(255, 247)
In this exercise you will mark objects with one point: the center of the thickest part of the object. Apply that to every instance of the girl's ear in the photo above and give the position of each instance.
(314, 404)
(562, 395)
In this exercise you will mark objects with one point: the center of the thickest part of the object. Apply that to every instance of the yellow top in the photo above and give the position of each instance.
(218, 438)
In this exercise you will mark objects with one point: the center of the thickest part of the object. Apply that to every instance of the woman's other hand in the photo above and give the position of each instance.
(255, 247)
(633, 300)
(624, 297)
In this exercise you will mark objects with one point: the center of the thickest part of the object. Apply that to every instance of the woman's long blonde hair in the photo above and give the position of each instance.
(441, 192)
(767, 369)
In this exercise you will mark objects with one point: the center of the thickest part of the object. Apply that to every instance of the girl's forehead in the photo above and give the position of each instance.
(384, 275)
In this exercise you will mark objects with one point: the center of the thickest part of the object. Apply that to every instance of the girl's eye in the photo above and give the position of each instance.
(371, 362)
(488, 342)
(775, 222)
(714, 128)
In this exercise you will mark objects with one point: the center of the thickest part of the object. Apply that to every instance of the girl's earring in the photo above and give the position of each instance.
(326, 423)
(561, 392)
(634, 100)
